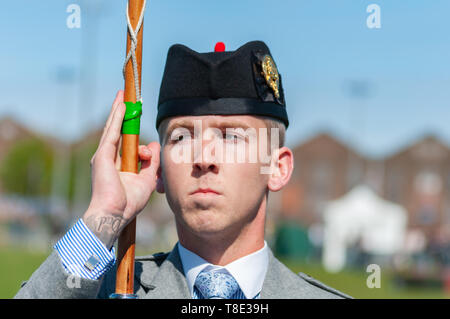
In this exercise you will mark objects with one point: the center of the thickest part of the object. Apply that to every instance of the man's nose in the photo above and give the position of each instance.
(205, 159)
(206, 167)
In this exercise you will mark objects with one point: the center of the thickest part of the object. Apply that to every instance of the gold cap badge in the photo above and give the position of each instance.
(270, 73)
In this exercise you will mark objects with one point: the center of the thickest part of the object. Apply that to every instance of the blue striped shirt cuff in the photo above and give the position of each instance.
(79, 247)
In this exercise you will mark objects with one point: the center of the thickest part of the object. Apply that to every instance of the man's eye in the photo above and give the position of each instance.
(180, 138)
(232, 137)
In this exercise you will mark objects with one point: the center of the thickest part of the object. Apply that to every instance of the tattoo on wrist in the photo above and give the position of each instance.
(106, 228)
(113, 223)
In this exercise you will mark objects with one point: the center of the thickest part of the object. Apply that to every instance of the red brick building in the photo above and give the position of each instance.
(416, 177)
(324, 169)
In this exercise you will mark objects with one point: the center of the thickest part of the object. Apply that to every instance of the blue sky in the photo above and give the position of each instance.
(320, 46)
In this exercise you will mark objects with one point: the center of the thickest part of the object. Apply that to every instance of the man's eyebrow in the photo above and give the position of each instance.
(189, 124)
(177, 124)
(230, 124)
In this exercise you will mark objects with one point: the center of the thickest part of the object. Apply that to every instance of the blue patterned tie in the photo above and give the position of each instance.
(216, 285)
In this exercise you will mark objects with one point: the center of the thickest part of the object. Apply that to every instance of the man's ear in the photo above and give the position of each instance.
(282, 168)
(159, 181)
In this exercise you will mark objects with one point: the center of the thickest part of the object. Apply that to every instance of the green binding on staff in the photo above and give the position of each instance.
(132, 119)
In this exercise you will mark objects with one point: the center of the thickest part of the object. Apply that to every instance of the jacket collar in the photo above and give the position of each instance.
(169, 282)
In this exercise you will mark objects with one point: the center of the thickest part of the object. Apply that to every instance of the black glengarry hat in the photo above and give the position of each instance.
(245, 81)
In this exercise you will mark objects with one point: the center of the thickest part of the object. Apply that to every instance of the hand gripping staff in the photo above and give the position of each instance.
(130, 142)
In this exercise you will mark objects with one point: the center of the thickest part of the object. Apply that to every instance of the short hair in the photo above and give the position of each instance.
(277, 124)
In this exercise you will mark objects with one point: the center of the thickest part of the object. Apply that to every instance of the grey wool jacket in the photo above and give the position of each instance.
(161, 276)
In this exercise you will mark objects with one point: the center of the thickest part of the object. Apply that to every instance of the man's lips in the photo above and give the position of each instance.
(204, 191)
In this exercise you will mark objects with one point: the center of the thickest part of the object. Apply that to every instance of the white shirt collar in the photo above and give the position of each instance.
(249, 271)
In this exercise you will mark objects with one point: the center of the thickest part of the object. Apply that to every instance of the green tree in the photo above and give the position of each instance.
(27, 168)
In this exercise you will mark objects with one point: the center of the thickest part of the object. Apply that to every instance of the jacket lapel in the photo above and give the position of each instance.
(168, 281)
(280, 282)
(271, 285)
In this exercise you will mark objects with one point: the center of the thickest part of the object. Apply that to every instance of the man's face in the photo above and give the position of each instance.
(212, 192)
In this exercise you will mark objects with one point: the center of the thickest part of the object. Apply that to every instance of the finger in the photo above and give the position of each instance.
(149, 167)
(118, 159)
(117, 101)
(145, 153)
(112, 137)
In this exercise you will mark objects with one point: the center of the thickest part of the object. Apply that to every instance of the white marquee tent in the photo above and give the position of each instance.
(361, 216)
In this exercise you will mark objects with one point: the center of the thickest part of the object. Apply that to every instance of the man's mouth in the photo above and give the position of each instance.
(205, 191)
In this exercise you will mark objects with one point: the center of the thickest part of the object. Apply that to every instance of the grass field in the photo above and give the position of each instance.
(17, 265)
(353, 283)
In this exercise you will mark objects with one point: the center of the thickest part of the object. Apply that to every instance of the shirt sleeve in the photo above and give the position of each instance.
(83, 254)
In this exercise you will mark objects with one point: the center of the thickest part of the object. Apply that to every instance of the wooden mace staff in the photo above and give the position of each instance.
(130, 144)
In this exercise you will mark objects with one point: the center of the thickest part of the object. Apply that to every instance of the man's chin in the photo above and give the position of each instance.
(207, 223)
(205, 203)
